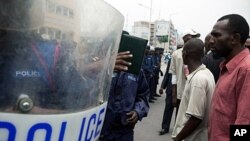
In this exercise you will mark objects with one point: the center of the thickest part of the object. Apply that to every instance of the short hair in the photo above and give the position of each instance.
(208, 37)
(237, 24)
(194, 48)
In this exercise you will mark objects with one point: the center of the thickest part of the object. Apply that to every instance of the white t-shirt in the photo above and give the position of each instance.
(195, 101)
(176, 68)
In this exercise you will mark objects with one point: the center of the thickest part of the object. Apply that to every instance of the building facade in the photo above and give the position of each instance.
(61, 20)
(160, 33)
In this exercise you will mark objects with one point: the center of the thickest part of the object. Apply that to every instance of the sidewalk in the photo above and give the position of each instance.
(148, 129)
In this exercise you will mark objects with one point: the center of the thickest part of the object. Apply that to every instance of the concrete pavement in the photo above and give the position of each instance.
(148, 129)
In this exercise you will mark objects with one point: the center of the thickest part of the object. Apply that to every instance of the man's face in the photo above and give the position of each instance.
(221, 38)
(247, 43)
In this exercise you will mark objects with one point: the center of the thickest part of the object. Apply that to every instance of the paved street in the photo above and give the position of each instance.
(148, 129)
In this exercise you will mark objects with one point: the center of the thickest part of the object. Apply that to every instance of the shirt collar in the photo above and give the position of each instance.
(190, 76)
(231, 65)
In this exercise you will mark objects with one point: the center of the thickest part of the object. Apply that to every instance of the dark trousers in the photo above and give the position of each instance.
(116, 136)
(152, 87)
(156, 79)
(168, 111)
(114, 130)
(151, 84)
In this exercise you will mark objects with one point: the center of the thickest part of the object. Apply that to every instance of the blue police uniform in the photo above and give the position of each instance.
(128, 92)
(156, 70)
(36, 69)
(148, 68)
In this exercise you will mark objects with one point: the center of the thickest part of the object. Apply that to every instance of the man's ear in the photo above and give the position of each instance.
(236, 38)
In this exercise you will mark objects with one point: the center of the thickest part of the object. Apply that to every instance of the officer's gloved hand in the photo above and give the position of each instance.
(132, 117)
(121, 64)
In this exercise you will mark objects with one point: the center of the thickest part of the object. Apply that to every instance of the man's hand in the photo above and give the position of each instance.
(133, 117)
(161, 91)
(120, 63)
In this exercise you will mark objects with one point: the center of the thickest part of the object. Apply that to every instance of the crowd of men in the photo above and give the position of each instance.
(208, 83)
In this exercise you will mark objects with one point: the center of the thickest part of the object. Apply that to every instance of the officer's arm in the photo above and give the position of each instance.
(141, 101)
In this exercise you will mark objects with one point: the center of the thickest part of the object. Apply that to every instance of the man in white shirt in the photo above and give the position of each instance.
(177, 70)
(192, 118)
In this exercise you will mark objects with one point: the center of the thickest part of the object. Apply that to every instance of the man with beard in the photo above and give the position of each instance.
(230, 103)
(212, 60)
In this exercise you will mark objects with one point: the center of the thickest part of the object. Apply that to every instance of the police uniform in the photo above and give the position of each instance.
(33, 67)
(148, 68)
(128, 92)
(157, 59)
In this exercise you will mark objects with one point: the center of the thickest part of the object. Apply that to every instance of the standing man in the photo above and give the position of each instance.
(192, 118)
(230, 104)
(157, 70)
(127, 102)
(211, 60)
(148, 69)
(166, 84)
(177, 70)
(168, 110)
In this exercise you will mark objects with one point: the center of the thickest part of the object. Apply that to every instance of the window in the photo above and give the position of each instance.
(71, 13)
(58, 10)
(51, 7)
(65, 11)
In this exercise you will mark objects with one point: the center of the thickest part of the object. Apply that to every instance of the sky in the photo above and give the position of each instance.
(200, 15)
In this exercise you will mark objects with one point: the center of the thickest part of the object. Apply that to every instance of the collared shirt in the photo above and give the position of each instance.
(195, 102)
(230, 104)
(176, 68)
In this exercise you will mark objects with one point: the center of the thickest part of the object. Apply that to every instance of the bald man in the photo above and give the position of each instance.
(192, 118)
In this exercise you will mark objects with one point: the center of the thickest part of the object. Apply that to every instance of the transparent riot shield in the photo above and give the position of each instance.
(56, 64)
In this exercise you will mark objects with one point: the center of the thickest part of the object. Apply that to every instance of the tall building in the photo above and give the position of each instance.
(141, 29)
(145, 30)
(160, 33)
